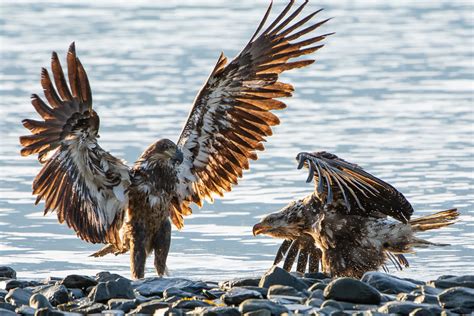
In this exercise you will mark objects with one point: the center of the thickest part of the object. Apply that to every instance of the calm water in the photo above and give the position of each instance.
(392, 91)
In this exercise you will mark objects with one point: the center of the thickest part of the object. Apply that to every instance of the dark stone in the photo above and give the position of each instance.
(7, 312)
(426, 289)
(402, 297)
(38, 301)
(122, 304)
(13, 284)
(190, 304)
(149, 307)
(317, 294)
(317, 286)
(427, 299)
(216, 311)
(387, 283)
(261, 290)
(405, 308)
(107, 276)
(91, 308)
(213, 293)
(170, 311)
(316, 275)
(7, 272)
(333, 304)
(237, 295)
(315, 302)
(256, 304)
(448, 281)
(459, 298)
(352, 290)
(4, 305)
(259, 312)
(25, 310)
(18, 296)
(76, 293)
(156, 286)
(422, 312)
(120, 288)
(172, 291)
(56, 294)
(226, 285)
(298, 308)
(277, 275)
(283, 290)
(78, 281)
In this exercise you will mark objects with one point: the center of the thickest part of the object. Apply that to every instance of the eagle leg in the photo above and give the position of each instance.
(161, 245)
(138, 251)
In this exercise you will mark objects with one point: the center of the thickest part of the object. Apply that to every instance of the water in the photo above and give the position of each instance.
(391, 91)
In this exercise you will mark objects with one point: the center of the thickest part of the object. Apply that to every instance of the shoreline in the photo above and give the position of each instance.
(276, 292)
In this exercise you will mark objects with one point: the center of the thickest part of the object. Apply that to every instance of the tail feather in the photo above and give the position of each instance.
(434, 221)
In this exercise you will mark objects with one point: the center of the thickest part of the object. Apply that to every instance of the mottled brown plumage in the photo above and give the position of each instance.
(129, 209)
(347, 219)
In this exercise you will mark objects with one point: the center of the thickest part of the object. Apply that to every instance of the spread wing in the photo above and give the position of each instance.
(359, 192)
(231, 115)
(84, 184)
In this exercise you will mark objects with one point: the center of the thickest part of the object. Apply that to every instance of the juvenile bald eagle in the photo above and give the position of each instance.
(345, 222)
(128, 209)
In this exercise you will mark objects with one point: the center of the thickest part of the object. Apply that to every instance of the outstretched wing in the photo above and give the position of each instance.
(359, 192)
(84, 184)
(231, 115)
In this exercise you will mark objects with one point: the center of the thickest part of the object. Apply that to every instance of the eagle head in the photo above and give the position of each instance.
(163, 152)
(288, 223)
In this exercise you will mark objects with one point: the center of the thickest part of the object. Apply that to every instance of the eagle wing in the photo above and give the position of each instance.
(84, 184)
(360, 192)
(231, 114)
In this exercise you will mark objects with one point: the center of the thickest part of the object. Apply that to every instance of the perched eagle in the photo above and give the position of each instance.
(128, 209)
(345, 222)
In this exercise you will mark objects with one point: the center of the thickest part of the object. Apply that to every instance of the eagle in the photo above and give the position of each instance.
(130, 208)
(352, 223)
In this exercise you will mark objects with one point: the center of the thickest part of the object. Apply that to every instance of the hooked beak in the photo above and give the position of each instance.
(178, 156)
(260, 229)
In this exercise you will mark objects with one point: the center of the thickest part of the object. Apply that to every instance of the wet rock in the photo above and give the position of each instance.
(259, 312)
(298, 308)
(283, 290)
(261, 290)
(237, 295)
(120, 288)
(25, 310)
(170, 311)
(287, 300)
(78, 281)
(4, 305)
(317, 294)
(38, 301)
(156, 286)
(352, 290)
(190, 304)
(426, 289)
(122, 304)
(427, 299)
(316, 275)
(216, 311)
(213, 293)
(317, 286)
(422, 312)
(13, 284)
(459, 298)
(257, 304)
(7, 312)
(172, 291)
(76, 293)
(405, 308)
(3, 293)
(7, 272)
(315, 302)
(387, 283)
(277, 275)
(149, 307)
(56, 294)
(332, 304)
(402, 297)
(107, 276)
(18, 296)
(90, 308)
(226, 285)
(448, 281)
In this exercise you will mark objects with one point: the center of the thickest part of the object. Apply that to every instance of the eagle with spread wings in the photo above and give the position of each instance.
(352, 223)
(129, 209)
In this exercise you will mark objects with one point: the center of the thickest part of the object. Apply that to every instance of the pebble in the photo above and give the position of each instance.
(258, 304)
(283, 290)
(156, 286)
(78, 281)
(122, 304)
(237, 295)
(226, 285)
(277, 275)
(119, 288)
(387, 283)
(216, 311)
(352, 290)
(405, 308)
(149, 307)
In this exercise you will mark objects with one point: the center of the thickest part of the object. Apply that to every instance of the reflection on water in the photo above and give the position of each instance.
(392, 91)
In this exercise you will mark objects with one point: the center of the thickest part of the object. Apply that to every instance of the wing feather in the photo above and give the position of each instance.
(85, 185)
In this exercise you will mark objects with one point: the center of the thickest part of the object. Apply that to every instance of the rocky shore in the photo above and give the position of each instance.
(277, 292)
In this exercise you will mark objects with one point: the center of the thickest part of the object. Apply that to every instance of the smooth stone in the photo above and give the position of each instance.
(259, 312)
(90, 308)
(332, 304)
(7, 312)
(3, 293)
(122, 304)
(38, 301)
(459, 298)
(317, 286)
(405, 308)
(7, 272)
(213, 294)
(256, 304)
(316, 275)
(448, 281)
(216, 311)
(339, 313)
(352, 290)
(190, 304)
(226, 285)
(25, 310)
(156, 285)
(14, 283)
(387, 283)
(427, 299)
(237, 295)
(149, 307)
(169, 312)
(18, 296)
(277, 275)
(113, 312)
(317, 294)
(261, 290)
(77, 281)
(120, 288)
(283, 290)
(422, 312)
(315, 302)
(286, 299)
(4, 305)
(403, 297)
(298, 308)
(426, 289)
(56, 294)
(76, 293)
(105, 276)
(172, 291)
